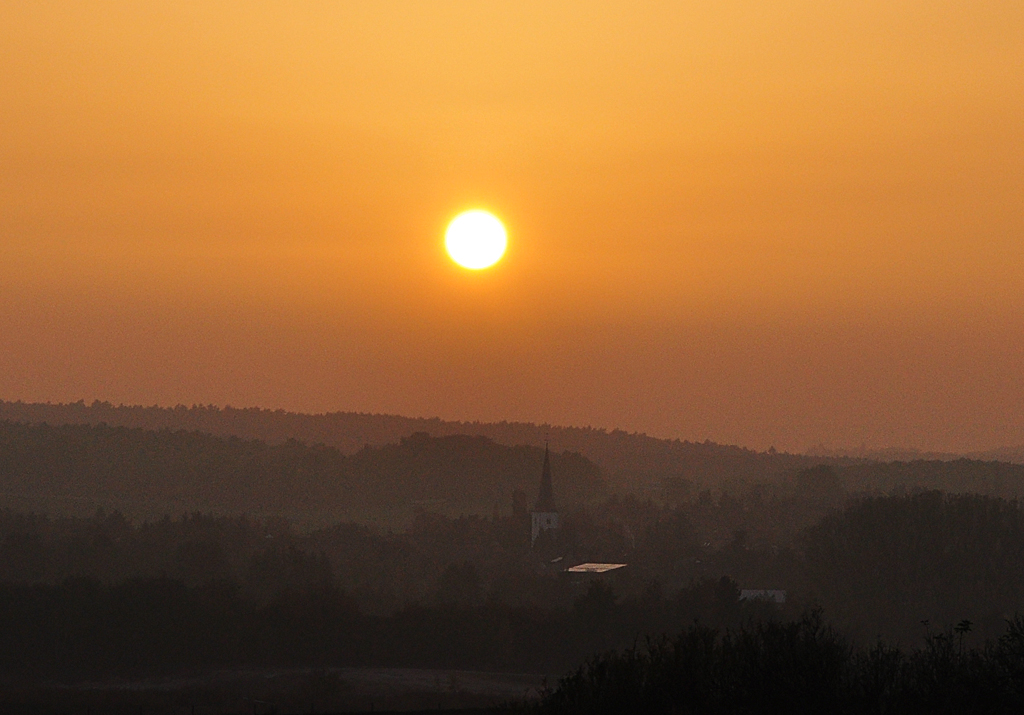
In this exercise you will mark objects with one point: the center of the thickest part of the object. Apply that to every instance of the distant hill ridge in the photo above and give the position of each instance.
(633, 460)
(1013, 455)
(71, 467)
(267, 461)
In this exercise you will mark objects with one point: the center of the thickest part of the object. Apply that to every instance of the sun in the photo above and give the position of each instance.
(475, 239)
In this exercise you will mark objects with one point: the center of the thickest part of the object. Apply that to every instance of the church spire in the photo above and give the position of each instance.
(544, 516)
(546, 499)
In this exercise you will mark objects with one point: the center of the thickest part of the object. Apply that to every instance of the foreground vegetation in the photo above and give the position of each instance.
(801, 666)
(91, 593)
(102, 595)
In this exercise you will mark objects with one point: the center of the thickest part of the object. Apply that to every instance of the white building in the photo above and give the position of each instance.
(763, 594)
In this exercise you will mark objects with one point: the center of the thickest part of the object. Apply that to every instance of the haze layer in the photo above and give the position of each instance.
(782, 224)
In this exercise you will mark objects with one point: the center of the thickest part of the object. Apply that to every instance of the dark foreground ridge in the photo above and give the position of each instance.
(322, 691)
(102, 615)
(769, 667)
(801, 666)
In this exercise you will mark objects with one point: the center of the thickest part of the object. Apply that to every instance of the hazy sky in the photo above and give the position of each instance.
(784, 223)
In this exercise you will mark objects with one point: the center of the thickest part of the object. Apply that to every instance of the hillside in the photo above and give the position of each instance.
(971, 476)
(76, 468)
(629, 460)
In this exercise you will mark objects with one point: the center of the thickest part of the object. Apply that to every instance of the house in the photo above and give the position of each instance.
(763, 594)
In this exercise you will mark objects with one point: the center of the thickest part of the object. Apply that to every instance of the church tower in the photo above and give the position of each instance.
(544, 515)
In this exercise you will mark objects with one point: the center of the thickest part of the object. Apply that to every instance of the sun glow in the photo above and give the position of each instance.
(475, 239)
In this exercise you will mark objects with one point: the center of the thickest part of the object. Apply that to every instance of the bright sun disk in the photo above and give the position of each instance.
(475, 239)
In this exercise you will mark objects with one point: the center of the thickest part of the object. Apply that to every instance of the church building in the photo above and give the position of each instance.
(544, 515)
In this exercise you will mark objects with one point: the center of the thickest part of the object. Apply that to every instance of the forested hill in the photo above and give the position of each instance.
(628, 459)
(74, 468)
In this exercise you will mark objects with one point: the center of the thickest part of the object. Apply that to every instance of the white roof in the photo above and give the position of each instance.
(594, 568)
(767, 594)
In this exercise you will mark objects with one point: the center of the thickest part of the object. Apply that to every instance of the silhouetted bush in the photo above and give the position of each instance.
(801, 666)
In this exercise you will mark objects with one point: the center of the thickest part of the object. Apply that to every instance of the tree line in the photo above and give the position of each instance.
(798, 666)
(67, 467)
(631, 461)
(896, 567)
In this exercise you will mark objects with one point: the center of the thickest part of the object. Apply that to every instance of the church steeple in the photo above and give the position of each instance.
(544, 515)
(546, 499)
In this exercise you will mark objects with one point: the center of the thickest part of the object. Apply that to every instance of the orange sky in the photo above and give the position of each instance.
(781, 223)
